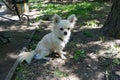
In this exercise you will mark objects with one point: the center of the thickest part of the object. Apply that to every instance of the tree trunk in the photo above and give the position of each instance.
(112, 25)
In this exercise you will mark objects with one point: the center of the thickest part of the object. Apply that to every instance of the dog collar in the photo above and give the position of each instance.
(60, 38)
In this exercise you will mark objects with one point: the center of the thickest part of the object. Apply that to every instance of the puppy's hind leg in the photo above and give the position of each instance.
(38, 56)
(46, 58)
(42, 55)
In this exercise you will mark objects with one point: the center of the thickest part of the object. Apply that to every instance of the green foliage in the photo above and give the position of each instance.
(116, 61)
(73, 43)
(32, 45)
(88, 34)
(59, 73)
(92, 23)
(22, 73)
(79, 54)
(102, 38)
(35, 37)
(81, 9)
(116, 46)
(20, 68)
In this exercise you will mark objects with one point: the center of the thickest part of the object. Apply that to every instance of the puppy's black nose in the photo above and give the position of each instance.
(65, 33)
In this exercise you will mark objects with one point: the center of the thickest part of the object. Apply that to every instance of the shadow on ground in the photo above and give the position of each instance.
(18, 36)
(96, 63)
(91, 66)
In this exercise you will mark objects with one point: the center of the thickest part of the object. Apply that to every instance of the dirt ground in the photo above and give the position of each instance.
(18, 35)
(99, 58)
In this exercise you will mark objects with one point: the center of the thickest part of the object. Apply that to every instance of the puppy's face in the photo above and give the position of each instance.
(62, 28)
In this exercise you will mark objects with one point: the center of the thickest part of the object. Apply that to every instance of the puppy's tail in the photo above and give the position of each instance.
(27, 56)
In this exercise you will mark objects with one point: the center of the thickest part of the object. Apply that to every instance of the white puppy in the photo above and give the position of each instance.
(54, 41)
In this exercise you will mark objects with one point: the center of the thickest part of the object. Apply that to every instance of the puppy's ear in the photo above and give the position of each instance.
(72, 19)
(56, 18)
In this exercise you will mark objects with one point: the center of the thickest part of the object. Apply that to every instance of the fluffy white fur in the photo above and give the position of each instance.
(54, 41)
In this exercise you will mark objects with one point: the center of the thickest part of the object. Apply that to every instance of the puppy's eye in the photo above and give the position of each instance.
(61, 29)
(68, 28)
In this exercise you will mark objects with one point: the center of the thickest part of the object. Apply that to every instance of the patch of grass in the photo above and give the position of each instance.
(36, 37)
(32, 45)
(34, 42)
(80, 10)
(88, 34)
(79, 54)
(92, 23)
(73, 44)
(31, 0)
(116, 46)
(20, 68)
(59, 73)
(116, 61)
(17, 78)
(102, 38)
(22, 73)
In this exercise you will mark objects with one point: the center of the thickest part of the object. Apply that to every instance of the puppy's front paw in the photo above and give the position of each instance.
(64, 53)
(63, 57)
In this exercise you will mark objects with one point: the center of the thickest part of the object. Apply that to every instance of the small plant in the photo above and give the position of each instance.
(92, 23)
(116, 61)
(116, 46)
(37, 19)
(88, 34)
(59, 73)
(20, 68)
(17, 78)
(32, 46)
(79, 54)
(102, 38)
(73, 44)
(22, 73)
(35, 37)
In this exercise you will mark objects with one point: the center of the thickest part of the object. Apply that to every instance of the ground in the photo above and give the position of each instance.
(91, 56)
(18, 35)
(97, 60)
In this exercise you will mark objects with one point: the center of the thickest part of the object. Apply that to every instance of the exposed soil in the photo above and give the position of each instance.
(18, 35)
(18, 39)
(100, 59)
